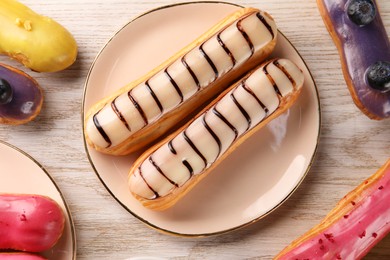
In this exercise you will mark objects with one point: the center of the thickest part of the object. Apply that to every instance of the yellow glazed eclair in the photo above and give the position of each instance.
(147, 108)
(169, 169)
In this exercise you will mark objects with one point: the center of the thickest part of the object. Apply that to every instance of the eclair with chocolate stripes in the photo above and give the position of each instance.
(169, 169)
(147, 108)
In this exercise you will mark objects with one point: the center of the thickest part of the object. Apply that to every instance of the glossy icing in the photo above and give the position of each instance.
(29, 222)
(182, 79)
(212, 133)
(359, 47)
(27, 97)
(357, 229)
(20, 256)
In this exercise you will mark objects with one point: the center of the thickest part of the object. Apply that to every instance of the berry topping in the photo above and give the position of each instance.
(378, 76)
(6, 92)
(361, 12)
(329, 236)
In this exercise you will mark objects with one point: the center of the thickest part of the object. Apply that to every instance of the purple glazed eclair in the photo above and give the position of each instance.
(21, 97)
(360, 37)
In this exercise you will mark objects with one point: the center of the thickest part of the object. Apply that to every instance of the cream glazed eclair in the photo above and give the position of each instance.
(144, 110)
(168, 170)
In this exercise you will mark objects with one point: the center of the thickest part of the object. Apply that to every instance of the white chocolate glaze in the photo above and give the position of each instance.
(205, 139)
(170, 87)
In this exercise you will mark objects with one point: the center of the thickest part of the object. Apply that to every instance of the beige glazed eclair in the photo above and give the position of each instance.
(144, 110)
(169, 169)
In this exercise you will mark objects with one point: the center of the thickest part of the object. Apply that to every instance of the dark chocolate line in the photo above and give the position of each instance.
(271, 79)
(242, 110)
(246, 37)
(212, 65)
(194, 148)
(266, 24)
(119, 114)
(288, 75)
(158, 103)
(188, 166)
(101, 130)
(138, 107)
(174, 84)
(156, 195)
(171, 148)
(220, 116)
(191, 72)
(247, 89)
(161, 172)
(226, 49)
(213, 134)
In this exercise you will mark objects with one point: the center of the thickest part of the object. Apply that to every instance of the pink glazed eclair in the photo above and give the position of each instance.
(357, 223)
(149, 107)
(171, 168)
(20, 256)
(31, 223)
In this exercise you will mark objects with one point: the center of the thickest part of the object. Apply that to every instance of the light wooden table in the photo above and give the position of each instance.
(351, 146)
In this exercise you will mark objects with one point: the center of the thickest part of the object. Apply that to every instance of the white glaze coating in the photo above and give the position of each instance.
(197, 147)
(191, 73)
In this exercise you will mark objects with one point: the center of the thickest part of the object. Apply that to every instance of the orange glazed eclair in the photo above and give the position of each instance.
(147, 108)
(169, 169)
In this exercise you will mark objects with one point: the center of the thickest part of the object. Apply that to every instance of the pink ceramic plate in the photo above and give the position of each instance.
(21, 174)
(255, 179)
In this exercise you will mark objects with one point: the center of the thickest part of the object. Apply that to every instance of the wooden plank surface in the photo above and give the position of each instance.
(351, 147)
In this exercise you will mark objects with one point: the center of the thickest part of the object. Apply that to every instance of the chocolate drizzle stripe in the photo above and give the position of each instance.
(174, 84)
(226, 49)
(158, 103)
(138, 107)
(246, 37)
(288, 75)
(242, 110)
(161, 172)
(271, 79)
(220, 116)
(196, 150)
(101, 130)
(213, 134)
(119, 114)
(171, 148)
(184, 62)
(212, 65)
(247, 89)
(156, 195)
(188, 166)
(266, 24)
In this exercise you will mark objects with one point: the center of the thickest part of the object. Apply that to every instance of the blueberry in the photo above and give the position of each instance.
(361, 12)
(378, 76)
(6, 93)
